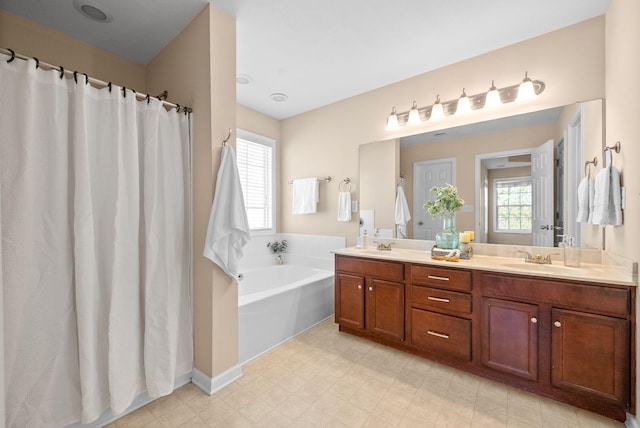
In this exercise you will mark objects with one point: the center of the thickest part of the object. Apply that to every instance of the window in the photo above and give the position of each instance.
(255, 159)
(513, 205)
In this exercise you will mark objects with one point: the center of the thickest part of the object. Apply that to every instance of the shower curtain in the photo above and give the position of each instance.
(95, 211)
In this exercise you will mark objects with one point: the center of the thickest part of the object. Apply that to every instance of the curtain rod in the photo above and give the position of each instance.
(96, 82)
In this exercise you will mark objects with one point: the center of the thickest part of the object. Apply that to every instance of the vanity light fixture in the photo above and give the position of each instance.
(464, 104)
(526, 91)
(522, 91)
(437, 111)
(414, 115)
(493, 97)
(392, 120)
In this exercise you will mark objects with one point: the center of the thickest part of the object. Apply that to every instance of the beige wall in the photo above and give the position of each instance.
(51, 46)
(198, 69)
(325, 141)
(622, 113)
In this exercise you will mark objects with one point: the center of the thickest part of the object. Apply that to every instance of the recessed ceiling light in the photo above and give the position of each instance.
(92, 11)
(243, 79)
(278, 97)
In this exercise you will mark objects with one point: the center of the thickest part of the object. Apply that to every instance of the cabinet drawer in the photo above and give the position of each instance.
(435, 298)
(440, 277)
(372, 268)
(441, 334)
(591, 298)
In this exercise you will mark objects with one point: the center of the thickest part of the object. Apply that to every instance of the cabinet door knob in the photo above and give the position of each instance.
(534, 320)
(557, 324)
(370, 288)
(359, 287)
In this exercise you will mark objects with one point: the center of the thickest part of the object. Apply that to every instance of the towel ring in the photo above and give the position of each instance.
(593, 162)
(347, 182)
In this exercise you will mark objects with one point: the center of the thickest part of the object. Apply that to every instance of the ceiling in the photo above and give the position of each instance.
(319, 52)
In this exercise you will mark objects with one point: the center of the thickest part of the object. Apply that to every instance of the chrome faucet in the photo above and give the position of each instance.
(538, 258)
(382, 246)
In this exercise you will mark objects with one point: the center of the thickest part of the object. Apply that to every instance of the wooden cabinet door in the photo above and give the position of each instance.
(385, 309)
(509, 337)
(350, 300)
(590, 354)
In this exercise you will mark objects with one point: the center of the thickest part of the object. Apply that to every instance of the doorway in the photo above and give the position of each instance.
(427, 174)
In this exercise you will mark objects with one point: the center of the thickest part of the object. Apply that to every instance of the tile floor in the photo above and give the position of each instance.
(324, 378)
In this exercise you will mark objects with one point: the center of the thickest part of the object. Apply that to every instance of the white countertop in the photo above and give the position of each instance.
(586, 272)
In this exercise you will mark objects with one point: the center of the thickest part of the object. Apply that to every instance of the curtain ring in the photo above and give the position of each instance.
(37, 62)
(61, 72)
(124, 92)
(148, 98)
(86, 79)
(13, 55)
(109, 86)
(178, 109)
(75, 76)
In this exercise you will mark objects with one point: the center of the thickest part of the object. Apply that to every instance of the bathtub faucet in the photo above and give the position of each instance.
(382, 246)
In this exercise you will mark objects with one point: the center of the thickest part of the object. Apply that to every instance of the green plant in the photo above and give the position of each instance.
(278, 247)
(446, 202)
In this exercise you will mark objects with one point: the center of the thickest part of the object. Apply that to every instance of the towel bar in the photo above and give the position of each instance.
(327, 179)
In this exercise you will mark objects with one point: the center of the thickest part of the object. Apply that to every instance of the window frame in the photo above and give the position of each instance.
(271, 143)
(496, 182)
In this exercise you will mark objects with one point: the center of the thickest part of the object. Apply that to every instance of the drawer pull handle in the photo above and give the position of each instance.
(557, 324)
(370, 288)
(440, 278)
(359, 287)
(438, 299)
(436, 334)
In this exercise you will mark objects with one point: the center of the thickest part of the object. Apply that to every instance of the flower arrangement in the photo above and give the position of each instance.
(446, 203)
(278, 247)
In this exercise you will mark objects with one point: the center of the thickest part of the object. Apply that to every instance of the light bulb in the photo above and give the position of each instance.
(437, 112)
(392, 120)
(493, 97)
(526, 90)
(414, 115)
(464, 104)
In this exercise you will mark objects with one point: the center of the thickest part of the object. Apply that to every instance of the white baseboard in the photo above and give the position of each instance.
(631, 421)
(211, 385)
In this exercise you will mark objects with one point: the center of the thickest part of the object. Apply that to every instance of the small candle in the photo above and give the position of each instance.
(472, 234)
(465, 237)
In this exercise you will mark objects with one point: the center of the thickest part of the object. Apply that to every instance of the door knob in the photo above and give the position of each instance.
(359, 287)
(370, 288)
(534, 320)
(557, 324)
(420, 222)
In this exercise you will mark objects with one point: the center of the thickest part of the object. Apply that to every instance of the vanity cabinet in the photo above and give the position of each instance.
(572, 341)
(369, 297)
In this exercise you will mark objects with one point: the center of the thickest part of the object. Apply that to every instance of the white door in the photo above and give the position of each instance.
(427, 174)
(542, 192)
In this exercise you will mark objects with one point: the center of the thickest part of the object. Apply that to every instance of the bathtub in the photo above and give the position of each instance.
(276, 303)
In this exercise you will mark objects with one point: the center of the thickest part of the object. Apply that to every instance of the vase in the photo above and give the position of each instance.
(449, 238)
(280, 259)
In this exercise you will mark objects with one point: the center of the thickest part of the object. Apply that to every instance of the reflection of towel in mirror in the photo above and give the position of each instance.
(305, 195)
(228, 229)
(402, 213)
(586, 195)
(344, 206)
(607, 205)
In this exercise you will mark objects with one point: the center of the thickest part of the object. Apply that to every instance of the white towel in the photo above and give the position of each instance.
(305, 195)
(402, 213)
(344, 206)
(607, 205)
(585, 200)
(228, 229)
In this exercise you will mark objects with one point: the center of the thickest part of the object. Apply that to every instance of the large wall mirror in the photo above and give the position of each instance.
(537, 159)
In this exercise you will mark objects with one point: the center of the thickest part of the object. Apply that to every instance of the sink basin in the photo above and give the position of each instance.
(533, 267)
(378, 252)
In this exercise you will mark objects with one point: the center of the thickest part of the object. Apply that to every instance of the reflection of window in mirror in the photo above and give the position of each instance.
(513, 205)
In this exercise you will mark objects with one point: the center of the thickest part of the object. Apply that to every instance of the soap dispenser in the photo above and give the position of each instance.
(571, 253)
(365, 240)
